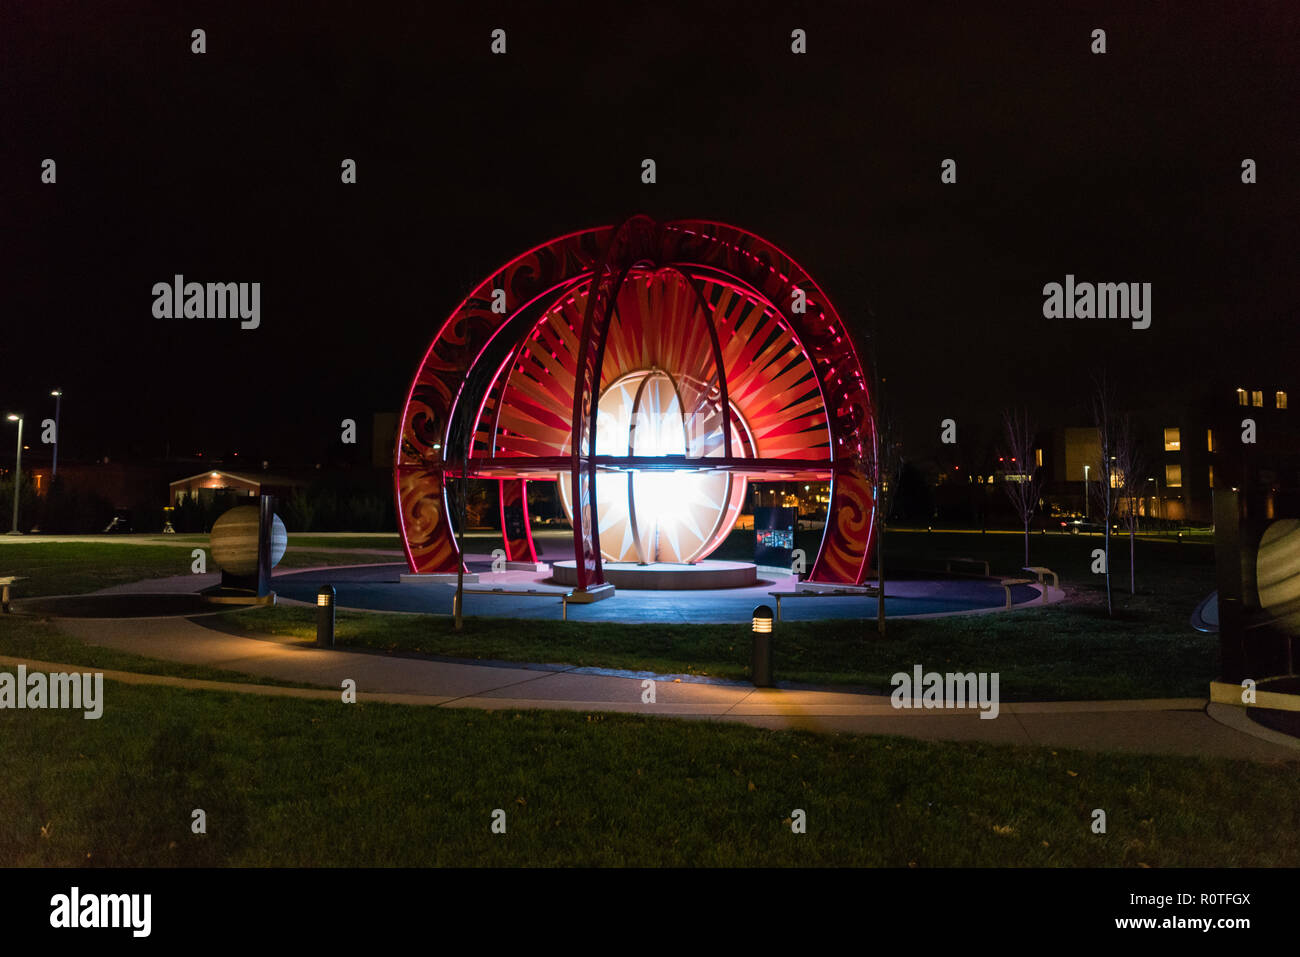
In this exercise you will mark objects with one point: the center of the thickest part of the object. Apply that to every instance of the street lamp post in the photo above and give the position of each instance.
(1085, 491)
(58, 400)
(18, 468)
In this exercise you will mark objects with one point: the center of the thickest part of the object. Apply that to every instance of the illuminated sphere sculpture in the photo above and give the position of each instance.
(652, 370)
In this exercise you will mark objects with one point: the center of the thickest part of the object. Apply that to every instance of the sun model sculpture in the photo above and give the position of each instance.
(652, 370)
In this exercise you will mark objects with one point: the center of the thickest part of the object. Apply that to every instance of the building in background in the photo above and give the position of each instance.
(205, 486)
(1189, 450)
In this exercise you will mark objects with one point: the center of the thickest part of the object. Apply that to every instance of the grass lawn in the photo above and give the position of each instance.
(288, 783)
(1041, 654)
(344, 540)
(311, 540)
(72, 568)
(1072, 650)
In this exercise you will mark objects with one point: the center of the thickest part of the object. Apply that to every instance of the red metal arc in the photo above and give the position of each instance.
(716, 305)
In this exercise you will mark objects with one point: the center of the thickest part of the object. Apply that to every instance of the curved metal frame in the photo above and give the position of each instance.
(603, 259)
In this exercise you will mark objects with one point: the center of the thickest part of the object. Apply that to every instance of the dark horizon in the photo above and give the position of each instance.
(224, 167)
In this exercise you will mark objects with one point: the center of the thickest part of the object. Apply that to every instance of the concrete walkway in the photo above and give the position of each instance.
(1167, 726)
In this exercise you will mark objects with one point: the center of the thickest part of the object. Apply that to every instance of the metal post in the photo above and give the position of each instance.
(58, 401)
(265, 526)
(18, 473)
(325, 617)
(1233, 658)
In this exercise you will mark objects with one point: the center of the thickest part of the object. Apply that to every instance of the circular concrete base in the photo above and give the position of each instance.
(662, 576)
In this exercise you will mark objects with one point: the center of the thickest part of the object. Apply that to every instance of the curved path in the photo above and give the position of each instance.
(1167, 726)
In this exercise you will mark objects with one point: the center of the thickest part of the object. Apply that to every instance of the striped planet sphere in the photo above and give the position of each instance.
(234, 540)
(1277, 571)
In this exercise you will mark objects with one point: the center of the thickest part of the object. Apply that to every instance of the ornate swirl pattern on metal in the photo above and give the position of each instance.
(652, 369)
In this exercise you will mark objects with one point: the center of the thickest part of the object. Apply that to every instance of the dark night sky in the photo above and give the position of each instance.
(225, 167)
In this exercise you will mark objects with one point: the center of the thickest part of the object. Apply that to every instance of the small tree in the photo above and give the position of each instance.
(978, 453)
(1106, 492)
(882, 464)
(1130, 464)
(1023, 492)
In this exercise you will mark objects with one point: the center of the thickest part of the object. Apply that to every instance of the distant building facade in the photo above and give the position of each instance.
(205, 485)
(1230, 437)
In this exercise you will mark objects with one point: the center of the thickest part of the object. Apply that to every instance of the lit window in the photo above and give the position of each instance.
(1257, 399)
(1281, 400)
(1174, 476)
(1211, 476)
(1038, 457)
(1241, 397)
(1172, 440)
(1209, 440)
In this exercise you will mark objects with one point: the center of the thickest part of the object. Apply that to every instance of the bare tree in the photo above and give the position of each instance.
(1023, 492)
(978, 452)
(1130, 464)
(1106, 492)
(881, 465)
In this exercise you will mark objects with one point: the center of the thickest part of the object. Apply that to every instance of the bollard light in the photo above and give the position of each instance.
(760, 662)
(325, 617)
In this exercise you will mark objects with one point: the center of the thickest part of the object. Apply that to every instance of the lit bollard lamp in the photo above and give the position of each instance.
(325, 617)
(760, 662)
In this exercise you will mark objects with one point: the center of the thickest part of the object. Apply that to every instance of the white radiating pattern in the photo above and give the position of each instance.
(660, 515)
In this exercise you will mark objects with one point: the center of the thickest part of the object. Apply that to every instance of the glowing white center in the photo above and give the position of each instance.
(653, 515)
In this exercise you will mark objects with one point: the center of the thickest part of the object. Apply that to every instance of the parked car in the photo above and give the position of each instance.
(1076, 526)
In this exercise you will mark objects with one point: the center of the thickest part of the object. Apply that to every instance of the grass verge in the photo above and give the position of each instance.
(74, 568)
(1041, 654)
(41, 640)
(304, 783)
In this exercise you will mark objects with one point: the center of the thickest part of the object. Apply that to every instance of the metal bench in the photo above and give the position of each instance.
(1007, 584)
(868, 592)
(1040, 573)
(572, 595)
(4, 590)
(948, 563)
